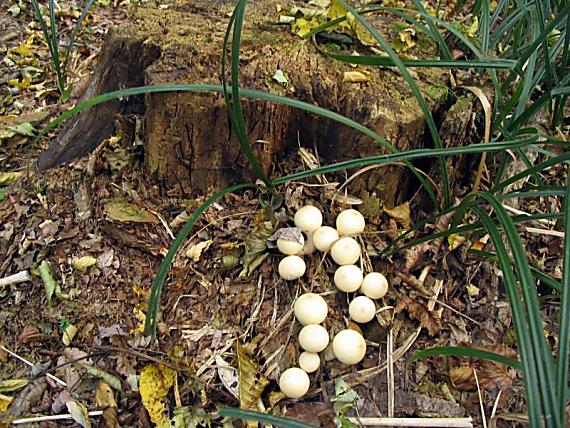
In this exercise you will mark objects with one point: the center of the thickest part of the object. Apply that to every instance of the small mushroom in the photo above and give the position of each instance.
(348, 278)
(324, 237)
(362, 309)
(349, 346)
(309, 361)
(292, 267)
(313, 338)
(308, 218)
(294, 382)
(349, 223)
(374, 285)
(310, 308)
(345, 251)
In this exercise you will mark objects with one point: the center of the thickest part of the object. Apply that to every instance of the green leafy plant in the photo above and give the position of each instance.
(52, 39)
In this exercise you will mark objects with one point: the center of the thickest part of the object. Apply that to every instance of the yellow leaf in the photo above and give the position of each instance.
(155, 382)
(195, 251)
(356, 76)
(251, 382)
(119, 210)
(22, 50)
(83, 263)
(303, 26)
(5, 402)
(400, 213)
(7, 178)
(141, 316)
(79, 413)
(68, 334)
(12, 384)
(455, 240)
(104, 395)
(472, 290)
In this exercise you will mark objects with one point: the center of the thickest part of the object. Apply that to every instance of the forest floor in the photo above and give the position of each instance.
(225, 335)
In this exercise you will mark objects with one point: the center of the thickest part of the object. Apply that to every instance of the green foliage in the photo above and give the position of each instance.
(51, 37)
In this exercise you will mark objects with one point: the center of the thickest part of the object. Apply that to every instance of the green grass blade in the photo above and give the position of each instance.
(264, 418)
(234, 103)
(416, 91)
(382, 61)
(462, 351)
(151, 322)
(434, 32)
(564, 342)
(529, 363)
(538, 344)
(74, 34)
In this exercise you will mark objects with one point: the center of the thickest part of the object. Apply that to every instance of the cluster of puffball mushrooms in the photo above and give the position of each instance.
(310, 309)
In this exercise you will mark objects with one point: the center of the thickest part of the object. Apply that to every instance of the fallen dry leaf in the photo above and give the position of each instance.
(430, 320)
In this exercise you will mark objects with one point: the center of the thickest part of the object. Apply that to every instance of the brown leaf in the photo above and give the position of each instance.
(430, 320)
(491, 374)
(463, 378)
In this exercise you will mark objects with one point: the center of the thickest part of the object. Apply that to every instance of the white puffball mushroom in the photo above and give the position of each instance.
(292, 267)
(308, 218)
(309, 361)
(345, 251)
(362, 309)
(374, 285)
(294, 382)
(348, 278)
(290, 248)
(349, 222)
(349, 347)
(324, 237)
(310, 308)
(313, 338)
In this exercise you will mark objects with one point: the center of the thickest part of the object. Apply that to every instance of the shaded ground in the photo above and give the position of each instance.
(437, 296)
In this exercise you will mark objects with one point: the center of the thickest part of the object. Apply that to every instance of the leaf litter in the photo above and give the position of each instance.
(102, 245)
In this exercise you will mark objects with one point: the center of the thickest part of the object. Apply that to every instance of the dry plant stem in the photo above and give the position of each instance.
(29, 363)
(520, 212)
(545, 232)
(370, 167)
(480, 399)
(390, 372)
(493, 418)
(487, 109)
(17, 278)
(51, 418)
(415, 422)
(164, 223)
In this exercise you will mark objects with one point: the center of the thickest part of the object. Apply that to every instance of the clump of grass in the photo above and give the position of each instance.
(52, 39)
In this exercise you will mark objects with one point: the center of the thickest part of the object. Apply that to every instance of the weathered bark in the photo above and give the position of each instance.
(189, 145)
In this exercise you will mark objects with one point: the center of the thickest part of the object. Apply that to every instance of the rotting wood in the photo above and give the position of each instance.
(189, 145)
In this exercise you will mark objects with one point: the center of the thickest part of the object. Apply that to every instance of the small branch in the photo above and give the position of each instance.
(51, 418)
(415, 422)
(22, 276)
(29, 363)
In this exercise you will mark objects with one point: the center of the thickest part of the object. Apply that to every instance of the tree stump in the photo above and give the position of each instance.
(189, 145)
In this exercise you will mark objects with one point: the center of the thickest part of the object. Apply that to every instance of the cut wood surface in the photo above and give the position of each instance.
(189, 145)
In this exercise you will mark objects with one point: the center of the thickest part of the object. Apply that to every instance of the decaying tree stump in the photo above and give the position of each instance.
(189, 145)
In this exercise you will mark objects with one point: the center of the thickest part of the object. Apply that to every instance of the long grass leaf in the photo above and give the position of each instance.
(564, 338)
(463, 351)
(151, 322)
(74, 34)
(538, 344)
(234, 103)
(529, 363)
(264, 418)
(416, 91)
